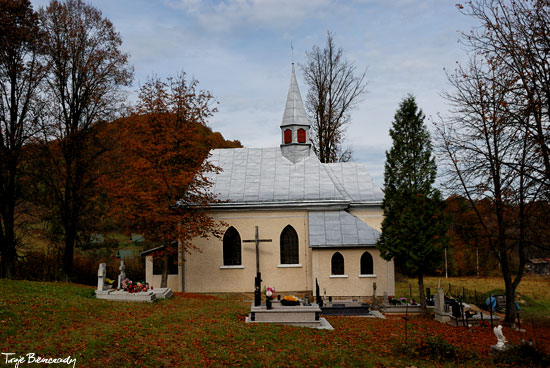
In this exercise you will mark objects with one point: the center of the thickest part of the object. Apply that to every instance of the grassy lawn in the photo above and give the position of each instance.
(56, 320)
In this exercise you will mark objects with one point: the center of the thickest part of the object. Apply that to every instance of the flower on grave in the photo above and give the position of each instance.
(269, 292)
(134, 287)
(290, 298)
(403, 300)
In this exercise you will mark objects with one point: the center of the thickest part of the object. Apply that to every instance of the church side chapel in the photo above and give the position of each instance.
(289, 216)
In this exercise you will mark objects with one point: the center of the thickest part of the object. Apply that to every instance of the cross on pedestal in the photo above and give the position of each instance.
(258, 279)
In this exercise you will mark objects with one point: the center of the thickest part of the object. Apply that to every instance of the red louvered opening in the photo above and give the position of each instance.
(288, 136)
(301, 136)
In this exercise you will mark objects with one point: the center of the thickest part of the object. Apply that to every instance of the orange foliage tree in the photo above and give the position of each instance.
(159, 187)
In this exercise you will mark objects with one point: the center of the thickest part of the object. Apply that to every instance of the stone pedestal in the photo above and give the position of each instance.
(304, 316)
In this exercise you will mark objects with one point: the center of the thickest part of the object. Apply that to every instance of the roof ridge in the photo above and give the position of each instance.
(339, 186)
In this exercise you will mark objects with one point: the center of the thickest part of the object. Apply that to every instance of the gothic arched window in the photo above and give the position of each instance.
(231, 247)
(288, 136)
(289, 246)
(337, 264)
(301, 135)
(367, 264)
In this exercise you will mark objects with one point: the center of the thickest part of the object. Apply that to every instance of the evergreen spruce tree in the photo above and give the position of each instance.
(414, 227)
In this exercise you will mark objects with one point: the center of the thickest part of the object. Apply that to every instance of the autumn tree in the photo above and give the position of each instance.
(20, 74)
(86, 71)
(478, 140)
(334, 89)
(414, 226)
(161, 189)
(469, 252)
(515, 37)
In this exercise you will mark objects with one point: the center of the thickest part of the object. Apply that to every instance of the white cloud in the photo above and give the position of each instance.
(229, 15)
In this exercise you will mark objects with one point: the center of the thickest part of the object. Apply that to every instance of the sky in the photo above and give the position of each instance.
(240, 51)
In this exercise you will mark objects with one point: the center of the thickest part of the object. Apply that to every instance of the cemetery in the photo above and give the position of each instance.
(211, 329)
(300, 239)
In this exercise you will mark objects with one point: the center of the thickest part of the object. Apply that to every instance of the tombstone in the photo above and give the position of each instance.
(122, 274)
(101, 274)
(318, 299)
(386, 299)
(439, 312)
(374, 301)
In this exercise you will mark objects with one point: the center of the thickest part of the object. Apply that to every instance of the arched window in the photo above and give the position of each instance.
(231, 247)
(337, 264)
(301, 135)
(288, 136)
(366, 264)
(289, 246)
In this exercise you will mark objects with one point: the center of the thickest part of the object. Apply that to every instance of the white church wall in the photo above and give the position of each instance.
(352, 283)
(154, 280)
(205, 272)
(372, 216)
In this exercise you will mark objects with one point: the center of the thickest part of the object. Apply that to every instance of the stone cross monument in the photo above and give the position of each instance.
(101, 274)
(122, 274)
(258, 278)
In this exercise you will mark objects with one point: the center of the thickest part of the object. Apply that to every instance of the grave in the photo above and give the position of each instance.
(299, 315)
(399, 309)
(346, 308)
(107, 292)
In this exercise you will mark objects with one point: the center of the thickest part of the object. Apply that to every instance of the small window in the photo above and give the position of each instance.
(337, 264)
(288, 136)
(289, 246)
(301, 136)
(231, 247)
(172, 263)
(366, 264)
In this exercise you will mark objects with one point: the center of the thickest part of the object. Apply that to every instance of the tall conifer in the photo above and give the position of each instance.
(413, 229)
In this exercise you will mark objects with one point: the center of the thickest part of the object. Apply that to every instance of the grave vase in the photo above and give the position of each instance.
(268, 303)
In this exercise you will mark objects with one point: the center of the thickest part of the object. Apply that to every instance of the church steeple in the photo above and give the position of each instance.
(295, 144)
(294, 114)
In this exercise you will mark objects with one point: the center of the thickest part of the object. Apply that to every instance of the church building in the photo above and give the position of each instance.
(315, 221)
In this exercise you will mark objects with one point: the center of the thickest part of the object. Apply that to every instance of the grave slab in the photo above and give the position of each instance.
(163, 293)
(303, 316)
(124, 296)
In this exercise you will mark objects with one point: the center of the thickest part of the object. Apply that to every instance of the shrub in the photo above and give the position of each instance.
(524, 355)
(435, 348)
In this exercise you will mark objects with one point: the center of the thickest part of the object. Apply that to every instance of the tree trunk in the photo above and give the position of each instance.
(510, 290)
(68, 253)
(422, 295)
(7, 265)
(164, 279)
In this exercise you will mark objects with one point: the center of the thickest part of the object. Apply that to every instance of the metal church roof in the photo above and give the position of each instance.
(263, 176)
(295, 113)
(339, 229)
(355, 181)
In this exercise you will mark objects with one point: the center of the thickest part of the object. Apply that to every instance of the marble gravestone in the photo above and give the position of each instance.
(125, 296)
(101, 274)
(122, 274)
(439, 312)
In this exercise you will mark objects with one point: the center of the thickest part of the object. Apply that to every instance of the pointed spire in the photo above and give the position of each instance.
(294, 114)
